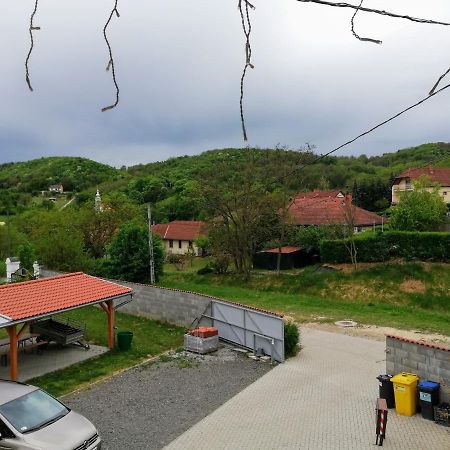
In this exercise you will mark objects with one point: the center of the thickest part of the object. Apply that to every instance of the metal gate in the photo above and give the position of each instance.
(247, 327)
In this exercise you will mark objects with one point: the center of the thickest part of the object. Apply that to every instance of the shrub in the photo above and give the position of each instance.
(423, 246)
(205, 270)
(291, 339)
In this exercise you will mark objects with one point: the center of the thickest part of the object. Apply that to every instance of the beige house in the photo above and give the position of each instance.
(179, 236)
(404, 181)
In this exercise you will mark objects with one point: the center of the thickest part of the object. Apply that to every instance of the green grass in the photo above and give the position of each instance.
(150, 338)
(191, 266)
(371, 296)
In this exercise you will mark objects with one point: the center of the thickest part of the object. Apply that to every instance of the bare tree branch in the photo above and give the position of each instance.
(433, 89)
(376, 11)
(357, 36)
(247, 28)
(31, 29)
(111, 59)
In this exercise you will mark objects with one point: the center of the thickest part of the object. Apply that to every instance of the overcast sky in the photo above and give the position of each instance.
(179, 63)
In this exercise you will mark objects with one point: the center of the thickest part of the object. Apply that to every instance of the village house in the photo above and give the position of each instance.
(404, 181)
(56, 188)
(329, 208)
(179, 236)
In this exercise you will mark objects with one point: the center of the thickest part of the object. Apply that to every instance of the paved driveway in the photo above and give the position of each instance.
(322, 399)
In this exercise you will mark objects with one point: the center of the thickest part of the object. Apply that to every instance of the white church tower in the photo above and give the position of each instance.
(98, 202)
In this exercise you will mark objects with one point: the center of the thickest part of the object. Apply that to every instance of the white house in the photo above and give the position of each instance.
(178, 236)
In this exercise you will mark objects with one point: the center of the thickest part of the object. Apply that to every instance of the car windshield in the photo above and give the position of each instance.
(33, 411)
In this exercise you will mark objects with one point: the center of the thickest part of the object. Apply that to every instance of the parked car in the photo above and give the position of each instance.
(31, 419)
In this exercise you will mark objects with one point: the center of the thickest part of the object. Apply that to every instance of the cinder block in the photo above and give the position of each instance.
(410, 366)
(399, 354)
(442, 355)
(201, 345)
(417, 358)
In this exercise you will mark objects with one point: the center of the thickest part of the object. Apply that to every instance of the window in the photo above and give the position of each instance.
(190, 244)
(170, 243)
(179, 244)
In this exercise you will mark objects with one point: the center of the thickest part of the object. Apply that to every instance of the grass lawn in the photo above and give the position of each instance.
(150, 338)
(401, 295)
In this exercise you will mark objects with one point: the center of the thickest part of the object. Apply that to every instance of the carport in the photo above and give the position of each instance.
(30, 301)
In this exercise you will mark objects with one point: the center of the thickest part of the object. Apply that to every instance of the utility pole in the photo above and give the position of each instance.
(150, 245)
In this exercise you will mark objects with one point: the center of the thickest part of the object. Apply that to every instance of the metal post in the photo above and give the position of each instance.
(382, 412)
(150, 245)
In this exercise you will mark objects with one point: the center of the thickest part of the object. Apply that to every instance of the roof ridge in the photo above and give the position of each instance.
(41, 280)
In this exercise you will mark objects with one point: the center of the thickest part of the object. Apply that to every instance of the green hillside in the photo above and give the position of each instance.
(75, 174)
(171, 186)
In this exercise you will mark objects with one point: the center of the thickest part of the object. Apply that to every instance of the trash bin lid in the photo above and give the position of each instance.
(428, 385)
(405, 378)
(386, 377)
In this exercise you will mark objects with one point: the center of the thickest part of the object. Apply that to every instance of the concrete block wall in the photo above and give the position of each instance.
(429, 362)
(167, 305)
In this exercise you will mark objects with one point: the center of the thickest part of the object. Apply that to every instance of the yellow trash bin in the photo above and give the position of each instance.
(405, 392)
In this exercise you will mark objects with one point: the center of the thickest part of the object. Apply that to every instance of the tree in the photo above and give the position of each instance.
(421, 209)
(348, 229)
(129, 254)
(243, 211)
(27, 256)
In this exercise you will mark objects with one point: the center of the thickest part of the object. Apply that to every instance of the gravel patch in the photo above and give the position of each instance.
(149, 406)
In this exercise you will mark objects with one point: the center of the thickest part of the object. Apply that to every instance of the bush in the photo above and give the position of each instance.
(205, 270)
(376, 247)
(291, 339)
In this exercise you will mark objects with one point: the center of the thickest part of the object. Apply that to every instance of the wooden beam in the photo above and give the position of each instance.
(110, 307)
(12, 331)
(21, 330)
(104, 306)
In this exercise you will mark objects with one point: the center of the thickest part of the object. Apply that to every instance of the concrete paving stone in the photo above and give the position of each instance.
(322, 399)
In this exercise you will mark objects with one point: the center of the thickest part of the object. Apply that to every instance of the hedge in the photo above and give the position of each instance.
(428, 246)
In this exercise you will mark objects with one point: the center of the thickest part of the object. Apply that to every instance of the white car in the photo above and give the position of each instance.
(31, 419)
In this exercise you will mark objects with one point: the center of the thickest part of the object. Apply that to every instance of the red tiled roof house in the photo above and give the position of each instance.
(316, 208)
(404, 181)
(179, 235)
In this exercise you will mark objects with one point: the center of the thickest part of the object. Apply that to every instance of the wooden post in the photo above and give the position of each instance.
(13, 351)
(110, 311)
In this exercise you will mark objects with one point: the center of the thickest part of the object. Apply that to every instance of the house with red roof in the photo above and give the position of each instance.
(179, 236)
(436, 175)
(330, 208)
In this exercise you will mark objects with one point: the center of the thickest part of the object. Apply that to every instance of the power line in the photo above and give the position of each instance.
(357, 36)
(247, 28)
(376, 11)
(31, 29)
(111, 59)
(384, 122)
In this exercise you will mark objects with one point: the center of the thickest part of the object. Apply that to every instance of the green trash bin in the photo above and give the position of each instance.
(124, 339)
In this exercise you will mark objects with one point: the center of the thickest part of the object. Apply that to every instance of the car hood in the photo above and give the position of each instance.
(66, 433)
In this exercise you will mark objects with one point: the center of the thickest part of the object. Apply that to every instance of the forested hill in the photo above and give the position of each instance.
(171, 185)
(75, 174)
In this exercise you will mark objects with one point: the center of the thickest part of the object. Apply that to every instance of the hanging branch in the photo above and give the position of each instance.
(375, 41)
(433, 89)
(375, 11)
(31, 29)
(247, 28)
(111, 59)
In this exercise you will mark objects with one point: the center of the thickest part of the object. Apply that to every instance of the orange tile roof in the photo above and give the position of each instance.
(436, 174)
(51, 295)
(185, 230)
(328, 211)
